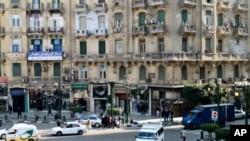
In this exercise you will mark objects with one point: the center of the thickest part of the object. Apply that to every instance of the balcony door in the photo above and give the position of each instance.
(36, 4)
(37, 70)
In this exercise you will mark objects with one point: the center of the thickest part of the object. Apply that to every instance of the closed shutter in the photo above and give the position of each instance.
(237, 20)
(102, 47)
(57, 69)
(220, 20)
(37, 69)
(184, 16)
(83, 48)
(16, 69)
(142, 18)
(161, 15)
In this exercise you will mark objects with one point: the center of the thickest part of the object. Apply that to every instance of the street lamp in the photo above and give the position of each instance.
(58, 85)
(246, 90)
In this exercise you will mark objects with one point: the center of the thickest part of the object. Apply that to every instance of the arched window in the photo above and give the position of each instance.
(102, 70)
(236, 71)
(219, 72)
(161, 73)
(208, 18)
(122, 73)
(184, 72)
(83, 72)
(202, 73)
(142, 73)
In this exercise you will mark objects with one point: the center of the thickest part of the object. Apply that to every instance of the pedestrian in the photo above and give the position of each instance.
(58, 123)
(88, 124)
(10, 109)
(171, 116)
(50, 110)
(19, 112)
(158, 110)
(183, 135)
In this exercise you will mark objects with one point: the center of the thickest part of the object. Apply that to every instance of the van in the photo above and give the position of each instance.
(22, 132)
(150, 132)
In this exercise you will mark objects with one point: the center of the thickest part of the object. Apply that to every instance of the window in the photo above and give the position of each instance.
(37, 69)
(102, 70)
(184, 73)
(219, 72)
(142, 18)
(161, 16)
(118, 47)
(209, 18)
(82, 1)
(236, 71)
(36, 22)
(184, 16)
(209, 1)
(57, 69)
(202, 73)
(122, 73)
(57, 44)
(220, 43)
(161, 73)
(83, 48)
(15, 20)
(118, 19)
(16, 69)
(184, 44)
(15, 2)
(16, 45)
(37, 44)
(83, 72)
(142, 46)
(101, 1)
(82, 22)
(208, 45)
(237, 20)
(102, 47)
(220, 19)
(161, 45)
(142, 73)
(101, 21)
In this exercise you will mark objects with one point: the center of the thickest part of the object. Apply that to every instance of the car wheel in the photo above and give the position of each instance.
(30, 140)
(80, 132)
(59, 133)
(3, 136)
(97, 125)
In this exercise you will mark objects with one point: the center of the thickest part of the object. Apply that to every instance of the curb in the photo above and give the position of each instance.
(27, 121)
(140, 124)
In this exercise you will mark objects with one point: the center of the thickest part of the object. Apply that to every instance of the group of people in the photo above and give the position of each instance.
(166, 114)
(109, 122)
(19, 111)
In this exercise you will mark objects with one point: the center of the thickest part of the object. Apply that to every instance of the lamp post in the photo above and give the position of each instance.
(246, 90)
(58, 85)
(112, 84)
(127, 101)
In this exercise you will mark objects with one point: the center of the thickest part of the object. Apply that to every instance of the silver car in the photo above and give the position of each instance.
(96, 120)
(239, 114)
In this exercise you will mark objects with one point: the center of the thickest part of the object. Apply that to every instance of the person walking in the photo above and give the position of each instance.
(10, 109)
(183, 135)
(19, 112)
(50, 110)
(88, 124)
(58, 123)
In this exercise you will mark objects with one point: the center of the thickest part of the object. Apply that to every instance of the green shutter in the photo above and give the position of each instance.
(102, 47)
(57, 69)
(41, 41)
(32, 41)
(184, 16)
(83, 48)
(220, 20)
(16, 69)
(237, 20)
(161, 15)
(52, 41)
(142, 18)
(37, 69)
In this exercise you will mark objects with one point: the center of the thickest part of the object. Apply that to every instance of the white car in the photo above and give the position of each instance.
(239, 114)
(96, 121)
(3, 132)
(69, 128)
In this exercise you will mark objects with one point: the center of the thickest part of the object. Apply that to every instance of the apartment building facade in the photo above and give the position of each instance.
(153, 46)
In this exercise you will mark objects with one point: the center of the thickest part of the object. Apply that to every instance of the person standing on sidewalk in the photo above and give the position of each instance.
(10, 109)
(50, 110)
(183, 135)
(19, 112)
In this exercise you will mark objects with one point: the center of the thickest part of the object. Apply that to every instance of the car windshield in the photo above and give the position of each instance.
(191, 114)
(145, 135)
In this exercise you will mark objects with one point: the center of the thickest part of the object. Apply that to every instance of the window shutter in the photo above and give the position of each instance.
(32, 41)
(161, 15)
(142, 18)
(83, 48)
(184, 16)
(101, 47)
(52, 41)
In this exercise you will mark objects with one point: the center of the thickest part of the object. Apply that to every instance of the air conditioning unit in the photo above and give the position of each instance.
(25, 79)
(117, 29)
(66, 70)
(209, 27)
(66, 78)
(74, 72)
(64, 54)
(147, 22)
(243, 25)
(153, 21)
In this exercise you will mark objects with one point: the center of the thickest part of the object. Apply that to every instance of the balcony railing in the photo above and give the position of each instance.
(140, 30)
(81, 8)
(139, 3)
(118, 4)
(158, 2)
(240, 7)
(55, 7)
(82, 32)
(35, 30)
(187, 3)
(224, 30)
(35, 7)
(55, 30)
(101, 7)
(223, 5)
(158, 28)
(240, 32)
(101, 32)
(9, 55)
(187, 29)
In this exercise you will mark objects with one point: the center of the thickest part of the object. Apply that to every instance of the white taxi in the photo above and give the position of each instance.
(69, 128)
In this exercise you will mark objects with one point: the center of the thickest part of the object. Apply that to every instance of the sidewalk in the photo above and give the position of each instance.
(139, 119)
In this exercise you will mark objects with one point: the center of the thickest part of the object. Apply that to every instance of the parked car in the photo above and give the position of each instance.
(96, 120)
(239, 114)
(69, 128)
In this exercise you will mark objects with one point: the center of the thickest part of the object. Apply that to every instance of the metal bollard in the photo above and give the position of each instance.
(25, 117)
(64, 118)
(6, 117)
(44, 118)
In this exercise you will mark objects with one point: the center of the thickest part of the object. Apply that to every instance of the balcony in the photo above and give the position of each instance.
(58, 31)
(139, 4)
(45, 55)
(2, 7)
(223, 5)
(15, 6)
(118, 4)
(224, 31)
(209, 29)
(55, 7)
(100, 7)
(33, 7)
(158, 3)
(17, 55)
(208, 4)
(89, 57)
(35, 31)
(2, 31)
(240, 7)
(187, 29)
(81, 8)
(140, 30)
(82, 33)
(158, 28)
(240, 32)
(187, 3)
(101, 32)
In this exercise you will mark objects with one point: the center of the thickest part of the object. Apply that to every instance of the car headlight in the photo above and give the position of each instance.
(189, 121)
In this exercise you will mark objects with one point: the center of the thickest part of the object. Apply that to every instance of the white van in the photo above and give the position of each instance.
(22, 132)
(150, 132)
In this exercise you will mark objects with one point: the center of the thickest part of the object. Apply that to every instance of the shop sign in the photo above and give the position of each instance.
(79, 86)
(3, 79)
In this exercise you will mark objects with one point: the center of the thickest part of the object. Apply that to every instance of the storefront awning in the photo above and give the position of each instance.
(79, 86)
